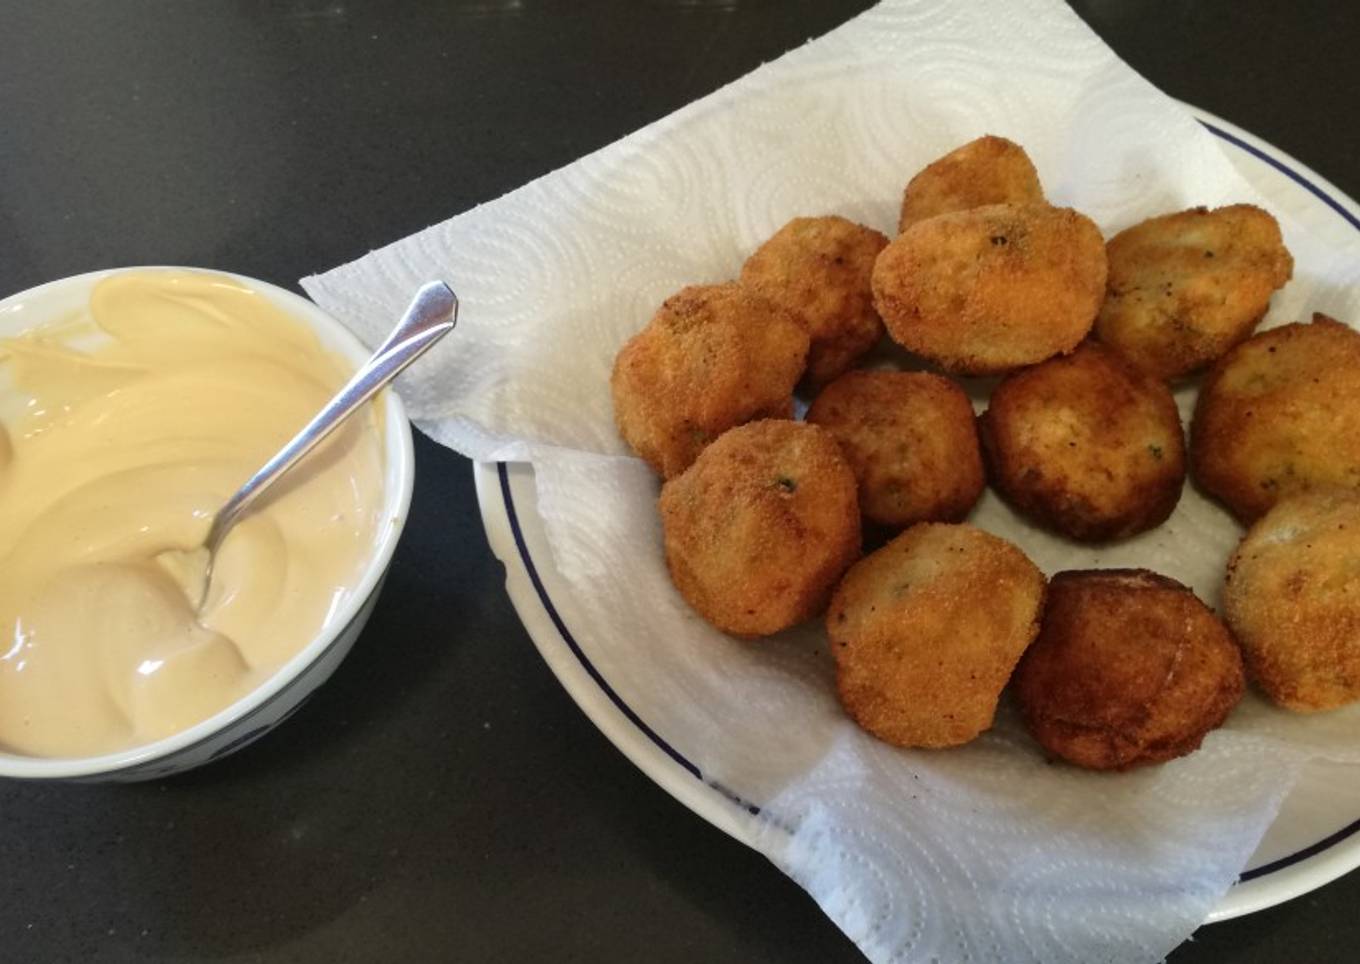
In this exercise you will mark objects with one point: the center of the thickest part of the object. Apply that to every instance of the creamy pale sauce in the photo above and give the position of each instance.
(124, 429)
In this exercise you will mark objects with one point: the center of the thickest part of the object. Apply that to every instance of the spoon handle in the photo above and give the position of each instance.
(432, 314)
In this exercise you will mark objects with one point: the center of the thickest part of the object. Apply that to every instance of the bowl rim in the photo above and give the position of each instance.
(398, 466)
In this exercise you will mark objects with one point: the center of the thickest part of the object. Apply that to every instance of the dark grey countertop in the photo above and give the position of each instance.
(442, 798)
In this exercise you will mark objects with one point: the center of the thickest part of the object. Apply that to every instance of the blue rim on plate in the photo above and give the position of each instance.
(1216, 127)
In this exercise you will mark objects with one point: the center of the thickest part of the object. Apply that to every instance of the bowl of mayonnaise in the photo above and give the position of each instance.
(133, 403)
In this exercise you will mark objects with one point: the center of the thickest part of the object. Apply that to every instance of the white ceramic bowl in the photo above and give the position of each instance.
(281, 694)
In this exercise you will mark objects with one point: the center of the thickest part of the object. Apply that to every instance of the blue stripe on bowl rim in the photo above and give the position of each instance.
(1312, 850)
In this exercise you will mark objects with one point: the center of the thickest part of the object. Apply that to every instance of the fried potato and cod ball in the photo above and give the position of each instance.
(1086, 445)
(1292, 598)
(989, 170)
(1280, 414)
(819, 269)
(761, 526)
(993, 288)
(713, 357)
(1130, 668)
(1186, 287)
(910, 438)
(926, 631)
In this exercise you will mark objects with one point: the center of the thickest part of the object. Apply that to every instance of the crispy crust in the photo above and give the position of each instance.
(989, 170)
(926, 631)
(1184, 288)
(819, 269)
(713, 357)
(993, 288)
(1086, 445)
(1280, 414)
(911, 440)
(761, 526)
(1130, 668)
(1292, 596)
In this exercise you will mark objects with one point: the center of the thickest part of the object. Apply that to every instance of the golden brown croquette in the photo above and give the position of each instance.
(819, 269)
(926, 631)
(993, 288)
(761, 526)
(1292, 597)
(713, 357)
(910, 438)
(989, 170)
(1184, 288)
(1130, 668)
(1280, 414)
(1086, 445)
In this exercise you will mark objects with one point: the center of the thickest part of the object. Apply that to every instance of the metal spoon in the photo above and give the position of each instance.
(432, 314)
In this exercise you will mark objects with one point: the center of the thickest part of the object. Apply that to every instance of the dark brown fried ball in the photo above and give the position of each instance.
(1184, 288)
(992, 288)
(1130, 668)
(989, 170)
(1086, 445)
(912, 441)
(1280, 414)
(926, 631)
(761, 526)
(819, 269)
(1293, 599)
(713, 356)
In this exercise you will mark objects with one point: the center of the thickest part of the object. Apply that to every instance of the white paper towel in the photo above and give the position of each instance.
(980, 854)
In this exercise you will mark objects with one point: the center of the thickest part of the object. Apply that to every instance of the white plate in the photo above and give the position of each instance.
(1315, 838)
